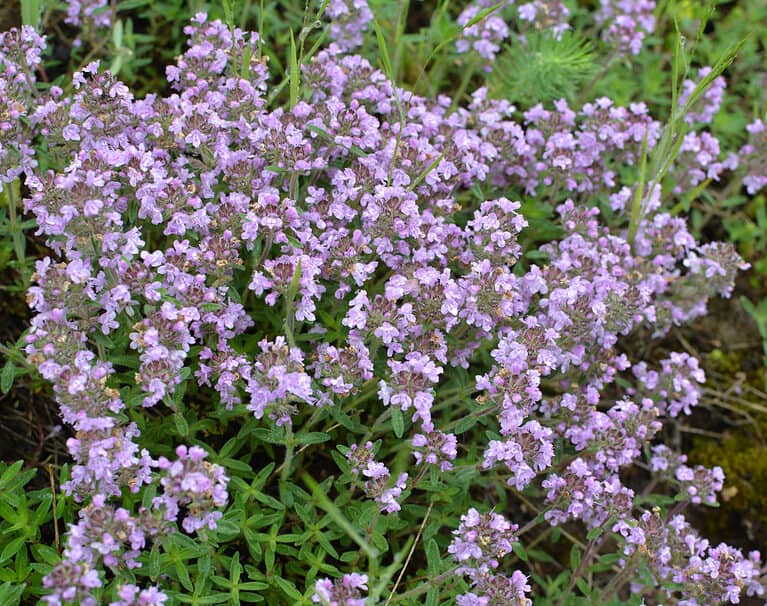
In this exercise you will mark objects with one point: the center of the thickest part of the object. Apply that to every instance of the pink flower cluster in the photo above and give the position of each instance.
(89, 13)
(478, 545)
(626, 23)
(20, 54)
(754, 154)
(346, 592)
(377, 477)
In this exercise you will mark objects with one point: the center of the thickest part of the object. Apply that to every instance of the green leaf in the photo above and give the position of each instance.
(44, 553)
(575, 557)
(8, 513)
(338, 517)
(128, 5)
(345, 420)
(31, 11)
(235, 568)
(205, 565)
(594, 533)
(541, 556)
(254, 544)
(10, 594)
(315, 437)
(294, 73)
(117, 34)
(11, 473)
(639, 195)
(229, 13)
(286, 494)
(182, 427)
(465, 424)
(519, 551)
(153, 566)
(183, 576)
(294, 283)
(7, 376)
(397, 421)
(583, 586)
(12, 547)
(230, 447)
(425, 173)
(288, 589)
(545, 69)
(235, 465)
(433, 557)
(718, 68)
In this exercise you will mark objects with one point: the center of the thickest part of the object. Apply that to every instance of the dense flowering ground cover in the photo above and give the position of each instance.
(320, 343)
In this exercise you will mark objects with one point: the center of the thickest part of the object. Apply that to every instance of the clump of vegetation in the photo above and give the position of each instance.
(355, 303)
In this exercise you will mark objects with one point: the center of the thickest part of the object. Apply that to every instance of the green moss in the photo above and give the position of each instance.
(741, 452)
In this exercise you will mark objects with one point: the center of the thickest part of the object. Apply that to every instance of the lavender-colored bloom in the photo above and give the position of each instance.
(278, 379)
(377, 477)
(94, 13)
(484, 37)
(627, 23)
(71, 582)
(435, 448)
(410, 386)
(699, 160)
(675, 388)
(546, 14)
(20, 54)
(698, 484)
(348, 591)
(342, 371)
(753, 154)
(130, 595)
(680, 558)
(194, 484)
(350, 20)
(481, 540)
(479, 543)
(499, 589)
(708, 105)
(526, 450)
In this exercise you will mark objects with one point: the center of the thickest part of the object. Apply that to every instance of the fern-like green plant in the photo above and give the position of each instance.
(544, 69)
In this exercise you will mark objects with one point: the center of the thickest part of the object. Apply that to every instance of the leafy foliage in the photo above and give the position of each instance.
(543, 68)
(364, 498)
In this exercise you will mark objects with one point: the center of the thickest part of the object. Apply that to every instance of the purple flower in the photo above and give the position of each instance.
(377, 478)
(627, 22)
(484, 37)
(192, 483)
(350, 20)
(435, 448)
(481, 540)
(130, 595)
(708, 105)
(348, 591)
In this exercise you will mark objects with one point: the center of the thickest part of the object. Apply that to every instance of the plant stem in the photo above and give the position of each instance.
(423, 588)
(12, 193)
(615, 584)
(56, 540)
(528, 527)
(467, 76)
(17, 357)
(289, 446)
(585, 559)
(586, 91)
(410, 554)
